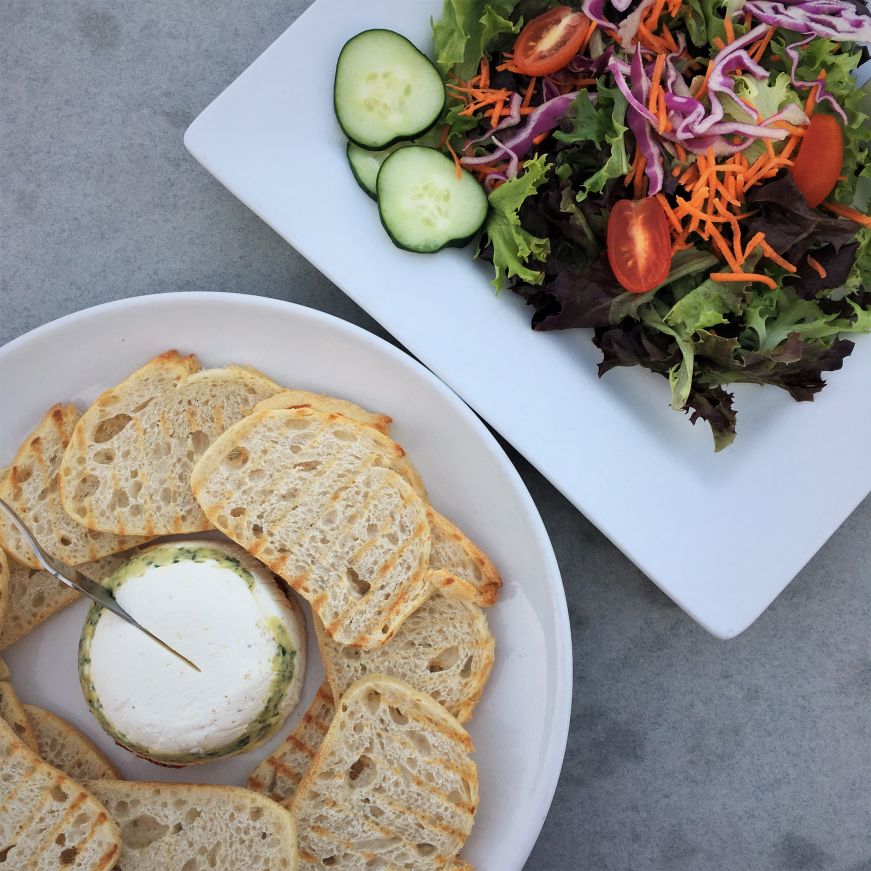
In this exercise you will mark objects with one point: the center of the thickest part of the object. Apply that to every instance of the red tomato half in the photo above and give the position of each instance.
(639, 245)
(819, 160)
(548, 42)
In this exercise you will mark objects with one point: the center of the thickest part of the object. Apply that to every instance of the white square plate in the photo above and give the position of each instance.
(721, 534)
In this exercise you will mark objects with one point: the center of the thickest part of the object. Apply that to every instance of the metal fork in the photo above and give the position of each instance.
(74, 578)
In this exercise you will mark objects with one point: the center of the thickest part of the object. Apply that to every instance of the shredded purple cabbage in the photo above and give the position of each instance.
(641, 128)
(494, 179)
(544, 119)
(595, 11)
(827, 19)
(695, 126)
(822, 95)
(589, 66)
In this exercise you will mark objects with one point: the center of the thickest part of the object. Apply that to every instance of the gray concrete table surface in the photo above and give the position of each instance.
(685, 752)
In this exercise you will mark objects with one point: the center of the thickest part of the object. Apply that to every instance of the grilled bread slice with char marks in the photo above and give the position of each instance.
(457, 566)
(5, 584)
(13, 712)
(318, 499)
(30, 487)
(444, 649)
(65, 747)
(187, 827)
(328, 404)
(35, 595)
(392, 782)
(47, 821)
(279, 774)
(127, 469)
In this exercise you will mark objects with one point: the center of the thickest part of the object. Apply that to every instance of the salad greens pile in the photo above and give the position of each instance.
(700, 107)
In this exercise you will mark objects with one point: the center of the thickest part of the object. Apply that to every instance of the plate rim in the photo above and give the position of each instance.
(553, 583)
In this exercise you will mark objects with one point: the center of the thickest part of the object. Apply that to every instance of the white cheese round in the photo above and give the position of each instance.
(223, 610)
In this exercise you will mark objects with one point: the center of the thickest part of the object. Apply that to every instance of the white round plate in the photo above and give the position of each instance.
(521, 724)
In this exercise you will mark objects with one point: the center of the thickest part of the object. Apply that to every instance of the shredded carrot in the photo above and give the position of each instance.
(634, 168)
(457, 163)
(656, 84)
(791, 128)
(586, 40)
(747, 19)
(681, 244)
(669, 213)
(485, 72)
(757, 51)
(651, 41)
(791, 145)
(527, 96)
(681, 152)
(744, 276)
(704, 86)
(685, 208)
(687, 175)
(730, 31)
(736, 240)
(496, 114)
(724, 248)
(639, 181)
(652, 20)
(662, 122)
(751, 246)
(723, 191)
(537, 140)
(849, 214)
(446, 131)
(486, 169)
(765, 167)
(718, 42)
(771, 254)
(816, 266)
(816, 87)
(668, 38)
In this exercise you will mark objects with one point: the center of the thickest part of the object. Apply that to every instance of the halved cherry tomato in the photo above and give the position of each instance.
(639, 245)
(548, 42)
(819, 159)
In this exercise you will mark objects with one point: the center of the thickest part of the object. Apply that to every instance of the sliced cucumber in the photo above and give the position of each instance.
(385, 89)
(422, 203)
(365, 164)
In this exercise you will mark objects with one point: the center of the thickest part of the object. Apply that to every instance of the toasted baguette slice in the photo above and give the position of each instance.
(444, 649)
(460, 865)
(34, 595)
(5, 584)
(458, 567)
(328, 404)
(13, 712)
(47, 821)
(315, 497)
(175, 826)
(66, 748)
(279, 774)
(30, 487)
(128, 466)
(393, 781)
